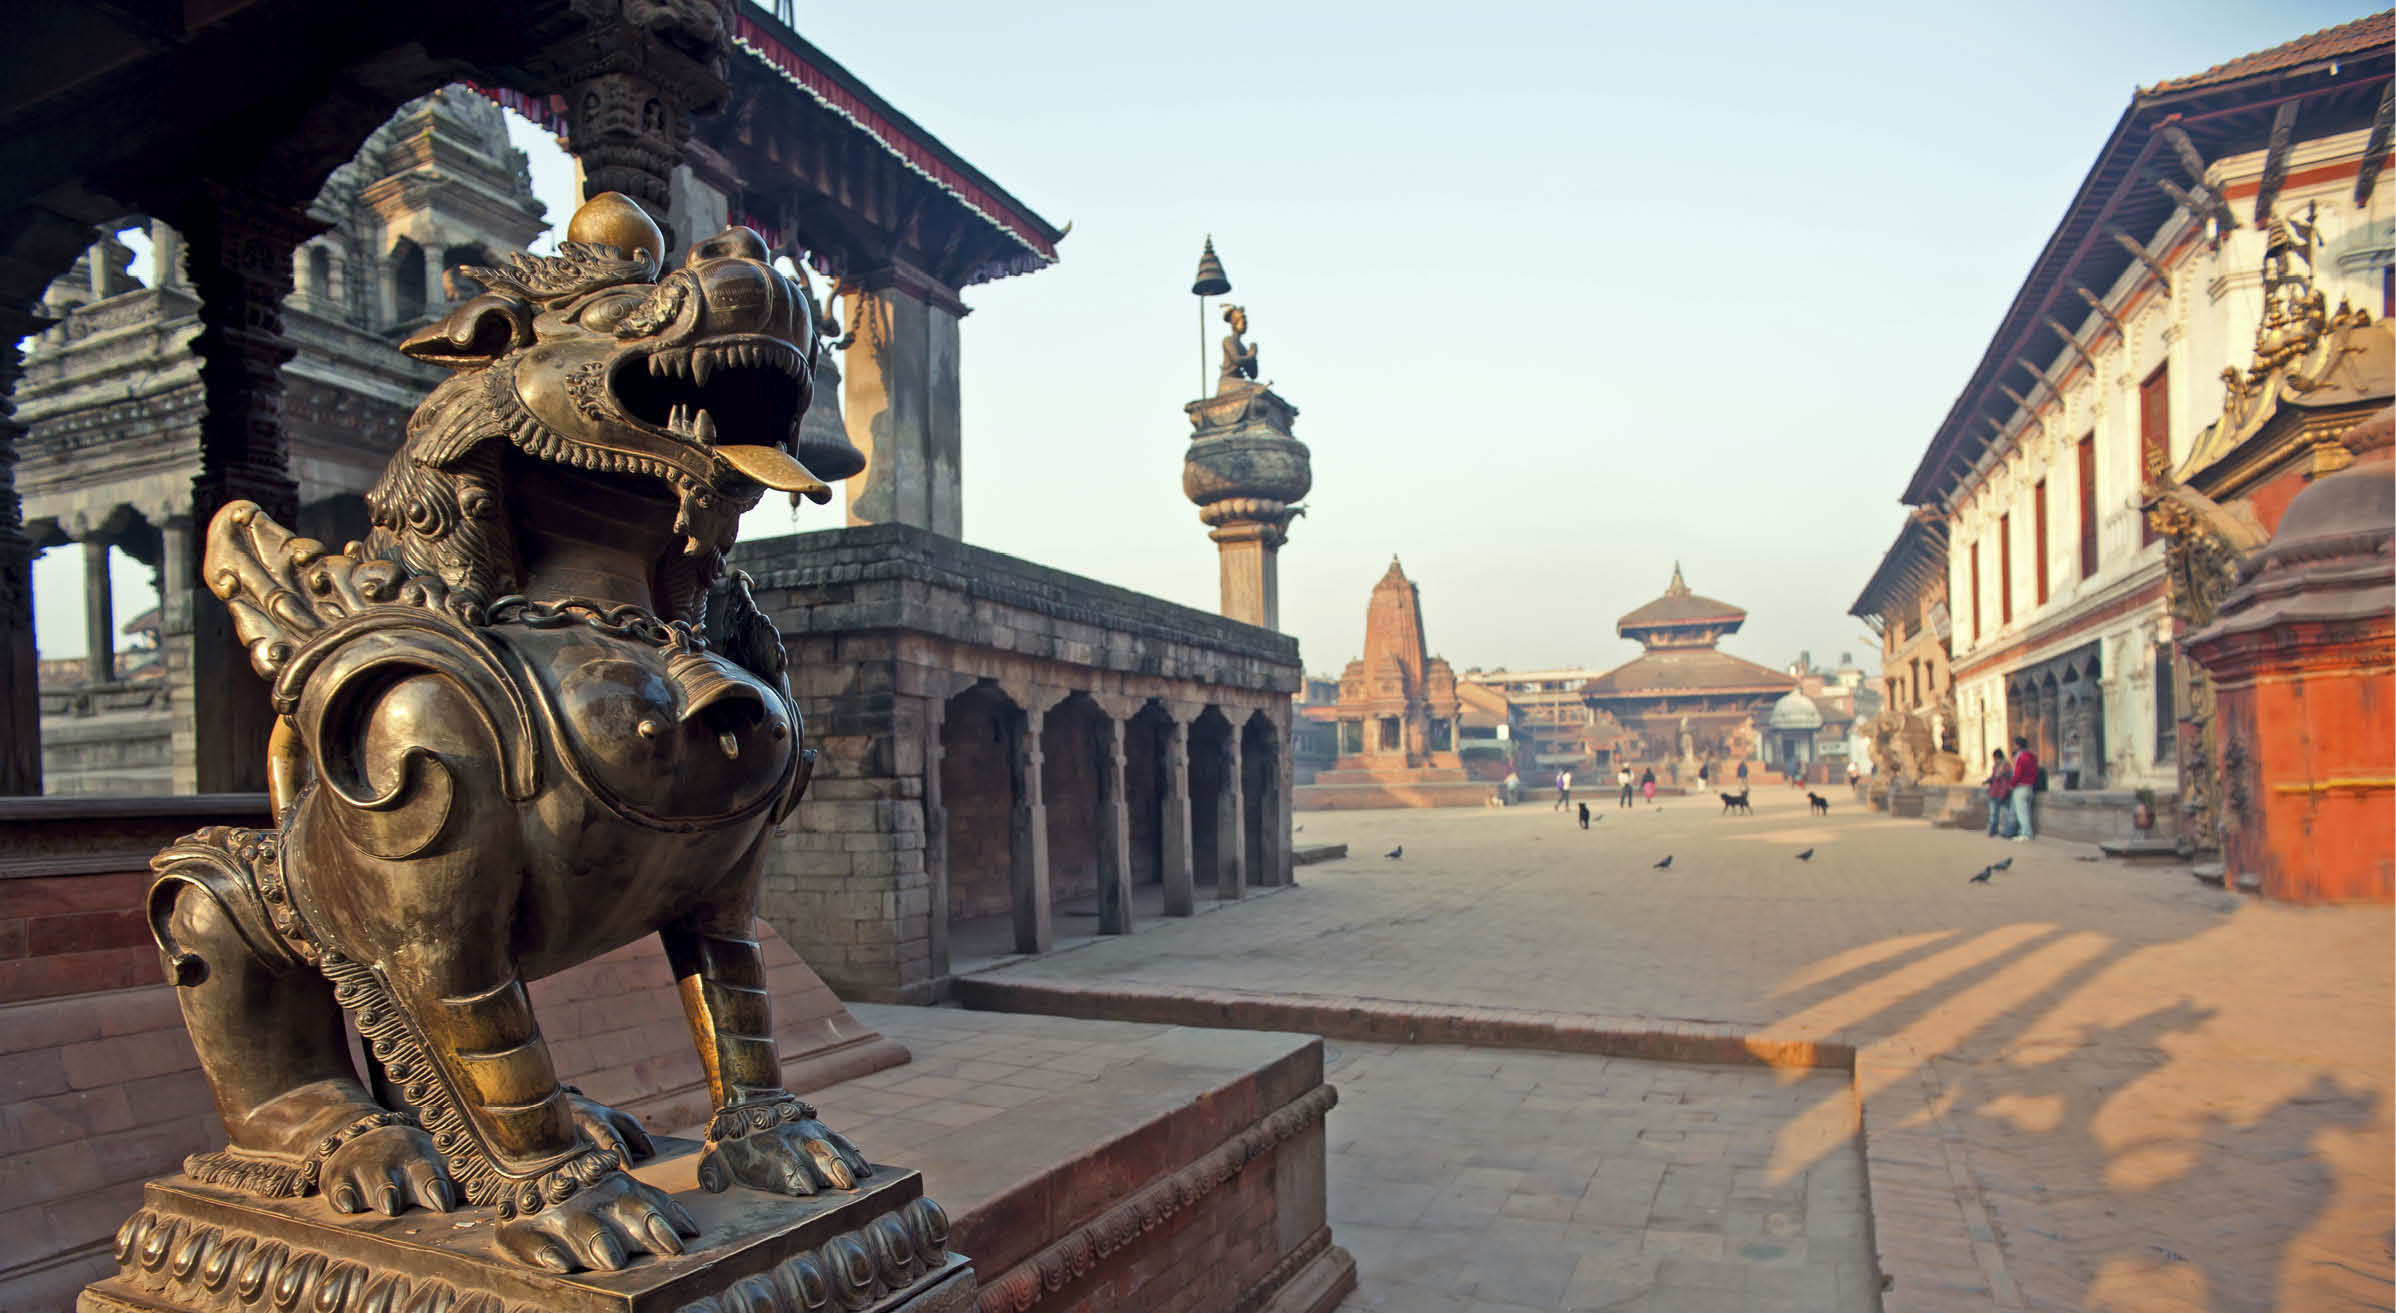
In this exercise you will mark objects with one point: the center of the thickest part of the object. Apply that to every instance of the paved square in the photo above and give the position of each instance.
(2159, 1095)
(1497, 1179)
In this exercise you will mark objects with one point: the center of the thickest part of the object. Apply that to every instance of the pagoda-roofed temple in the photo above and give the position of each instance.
(1682, 701)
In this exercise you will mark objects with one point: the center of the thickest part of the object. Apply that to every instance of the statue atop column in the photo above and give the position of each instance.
(1239, 358)
(1244, 470)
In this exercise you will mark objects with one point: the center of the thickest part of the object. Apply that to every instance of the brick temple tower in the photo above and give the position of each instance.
(1398, 710)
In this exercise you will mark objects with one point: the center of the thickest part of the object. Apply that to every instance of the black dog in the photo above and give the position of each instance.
(1584, 816)
(1736, 802)
(1819, 805)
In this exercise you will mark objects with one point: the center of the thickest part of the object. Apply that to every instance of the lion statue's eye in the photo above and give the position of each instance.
(604, 313)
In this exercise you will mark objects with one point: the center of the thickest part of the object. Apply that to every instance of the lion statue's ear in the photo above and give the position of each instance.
(476, 333)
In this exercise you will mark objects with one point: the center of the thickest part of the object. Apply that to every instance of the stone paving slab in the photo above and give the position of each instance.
(1479, 1180)
(2142, 1092)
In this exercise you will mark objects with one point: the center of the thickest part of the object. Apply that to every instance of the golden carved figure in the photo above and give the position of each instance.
(532, 718)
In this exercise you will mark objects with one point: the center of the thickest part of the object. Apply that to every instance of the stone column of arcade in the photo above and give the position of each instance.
(900, 399)
(239, 246)
(1114, 822)
(1179, 877)
(99, 614)
(1231, 830)
(1027, 826)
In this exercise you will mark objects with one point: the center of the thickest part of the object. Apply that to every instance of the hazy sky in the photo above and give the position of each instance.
(1564, 293)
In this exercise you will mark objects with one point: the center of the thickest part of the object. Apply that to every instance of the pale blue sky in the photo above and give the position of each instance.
(1564, 292)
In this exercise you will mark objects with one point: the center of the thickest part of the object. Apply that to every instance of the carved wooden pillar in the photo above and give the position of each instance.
(1181, 897)
(1114, 832)
(239, 248)
(1027, 835)
(1231, 830)
(630, 91)
(20, 708)
(99, 614)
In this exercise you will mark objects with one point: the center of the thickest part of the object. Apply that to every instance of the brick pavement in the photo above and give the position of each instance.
(2087, 1084)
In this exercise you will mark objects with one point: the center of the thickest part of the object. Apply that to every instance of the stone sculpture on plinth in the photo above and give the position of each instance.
(531, 719)
(1246, 474)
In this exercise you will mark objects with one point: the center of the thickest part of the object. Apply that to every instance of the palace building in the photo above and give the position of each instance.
(2163, 302)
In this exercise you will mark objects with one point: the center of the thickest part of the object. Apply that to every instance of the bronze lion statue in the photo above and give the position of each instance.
(532, 718)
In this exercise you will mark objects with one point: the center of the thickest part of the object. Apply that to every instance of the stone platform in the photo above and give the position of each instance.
(1093, 1165)
(879, 1249)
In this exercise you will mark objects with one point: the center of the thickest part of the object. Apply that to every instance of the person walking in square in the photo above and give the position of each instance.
(2025, 784)
(1623, 778)
(1647, 783)
(2000, 797)
(1563, 790)
(1742, 775)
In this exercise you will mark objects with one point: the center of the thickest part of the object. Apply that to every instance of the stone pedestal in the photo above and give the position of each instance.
(2299, 657)
(1246, 473)
(879, 1249)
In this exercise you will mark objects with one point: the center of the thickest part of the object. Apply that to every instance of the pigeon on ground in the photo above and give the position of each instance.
(2005, 865)
(1399, 851)
(1982, 878)
(1665, 863)
(1806, 856)
(1300, 830)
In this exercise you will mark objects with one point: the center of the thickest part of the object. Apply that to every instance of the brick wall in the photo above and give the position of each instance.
(1070, 788)
(974, 790)
(74, 935)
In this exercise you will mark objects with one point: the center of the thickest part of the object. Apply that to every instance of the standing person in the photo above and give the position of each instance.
(1647, 783)
(1584, 816)
(1623, 778)
(1742, 775)
(2025, 783)
(1513, 792)
(1855, 779)
(2000, 793)
(1705, 776)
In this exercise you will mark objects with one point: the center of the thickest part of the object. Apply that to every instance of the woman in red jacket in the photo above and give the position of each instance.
(2025, 783)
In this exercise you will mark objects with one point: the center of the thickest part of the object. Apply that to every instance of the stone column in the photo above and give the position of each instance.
(1231, 833)
(240, 265)
(175, 564)
(99, 614)
(900, 400)
(1027, 836)
(1180, 881)
(1248, 553)
(166, 256)
(1114, 832)
(20, 707)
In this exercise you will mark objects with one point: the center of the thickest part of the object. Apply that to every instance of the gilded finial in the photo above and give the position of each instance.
(612, 218)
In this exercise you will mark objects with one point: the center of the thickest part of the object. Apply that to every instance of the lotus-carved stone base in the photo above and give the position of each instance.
(196, 1248)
